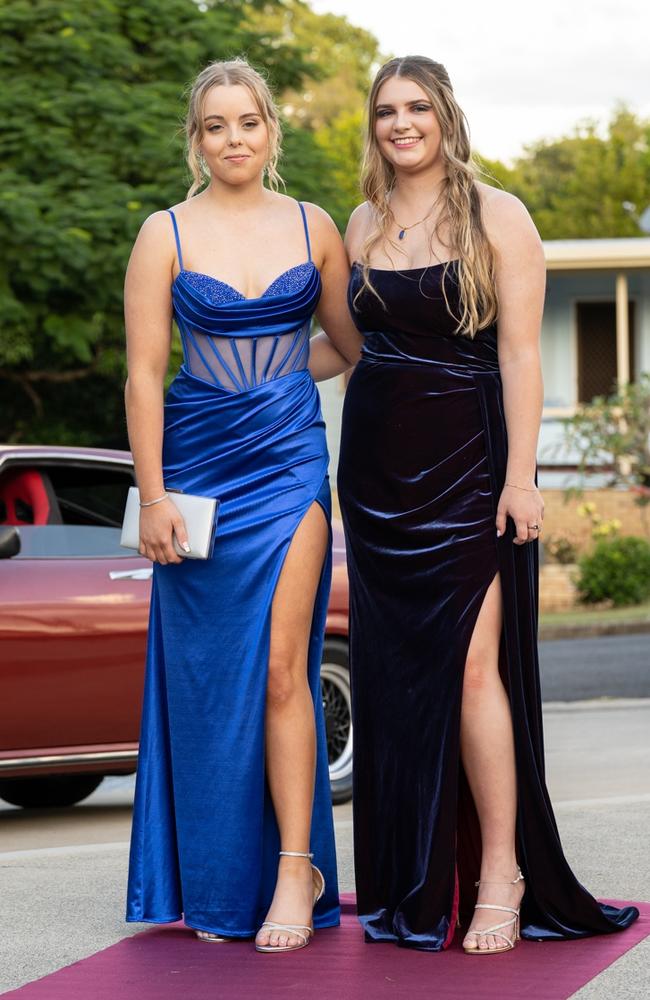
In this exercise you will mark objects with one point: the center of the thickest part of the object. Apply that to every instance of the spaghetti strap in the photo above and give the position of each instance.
(178, 240)
(304, 222)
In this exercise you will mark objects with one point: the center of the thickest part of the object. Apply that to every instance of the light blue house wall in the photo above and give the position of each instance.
(560, 349)
(559, 333)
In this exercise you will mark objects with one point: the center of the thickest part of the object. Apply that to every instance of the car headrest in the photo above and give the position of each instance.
(27, 497)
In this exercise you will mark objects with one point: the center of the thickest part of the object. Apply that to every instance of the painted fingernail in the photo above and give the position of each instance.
(498, 533)
(186, 546)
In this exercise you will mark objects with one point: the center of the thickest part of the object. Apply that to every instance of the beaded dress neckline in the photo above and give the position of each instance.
(288, 281)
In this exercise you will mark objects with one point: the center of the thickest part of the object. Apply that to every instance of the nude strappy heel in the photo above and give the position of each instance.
(301, 931)
(497, 929)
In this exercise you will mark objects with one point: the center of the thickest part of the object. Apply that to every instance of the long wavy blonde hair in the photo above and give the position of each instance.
(227, 74)
(460, 214)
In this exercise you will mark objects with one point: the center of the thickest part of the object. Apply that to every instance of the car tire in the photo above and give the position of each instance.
(335, 689)
(49, 791)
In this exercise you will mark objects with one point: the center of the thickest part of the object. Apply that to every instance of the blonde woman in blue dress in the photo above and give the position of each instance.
(232, 796)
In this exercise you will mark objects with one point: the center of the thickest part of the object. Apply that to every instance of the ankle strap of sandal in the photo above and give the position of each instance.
(519, 878)
(296, 854)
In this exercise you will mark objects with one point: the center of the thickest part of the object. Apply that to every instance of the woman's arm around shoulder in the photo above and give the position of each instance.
(340, 345)
(148, 316)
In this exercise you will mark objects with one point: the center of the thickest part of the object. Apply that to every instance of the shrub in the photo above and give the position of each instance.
(617, 570)
(615, 432)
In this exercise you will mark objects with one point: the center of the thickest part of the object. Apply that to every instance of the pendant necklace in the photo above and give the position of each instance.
(403, 230)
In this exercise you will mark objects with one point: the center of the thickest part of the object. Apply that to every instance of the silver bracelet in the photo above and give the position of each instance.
(150, 503)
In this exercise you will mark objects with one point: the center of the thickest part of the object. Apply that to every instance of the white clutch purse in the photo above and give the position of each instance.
(200, 516)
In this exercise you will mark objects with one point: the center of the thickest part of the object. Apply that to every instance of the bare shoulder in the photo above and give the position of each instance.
(326, 242)
(496, 201)
(157, 230)
(320, 223)
(360, 219)
(506, 219)
(154, 250)
(357, 229)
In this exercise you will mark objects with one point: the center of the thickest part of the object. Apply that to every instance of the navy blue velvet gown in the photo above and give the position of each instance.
(422, 465)
(242, 422)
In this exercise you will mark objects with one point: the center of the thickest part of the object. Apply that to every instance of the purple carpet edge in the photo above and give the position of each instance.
(163, 963)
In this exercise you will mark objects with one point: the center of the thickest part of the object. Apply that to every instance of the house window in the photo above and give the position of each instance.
(597, 358)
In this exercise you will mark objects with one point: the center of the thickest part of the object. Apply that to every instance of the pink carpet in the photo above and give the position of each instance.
(169, 963)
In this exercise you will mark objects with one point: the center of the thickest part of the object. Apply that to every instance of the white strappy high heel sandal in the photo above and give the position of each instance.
(497, 929)
(301, 931)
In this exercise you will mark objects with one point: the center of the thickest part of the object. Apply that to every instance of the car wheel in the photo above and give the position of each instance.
(335, 688)
(49, 791)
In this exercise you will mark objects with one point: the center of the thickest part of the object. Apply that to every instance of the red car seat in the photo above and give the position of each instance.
(27, 497)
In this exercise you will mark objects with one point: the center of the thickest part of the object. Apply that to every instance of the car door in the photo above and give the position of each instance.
(73, 619)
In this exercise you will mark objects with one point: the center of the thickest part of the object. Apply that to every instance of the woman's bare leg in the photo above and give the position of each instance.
(290, 729)
(488, 755)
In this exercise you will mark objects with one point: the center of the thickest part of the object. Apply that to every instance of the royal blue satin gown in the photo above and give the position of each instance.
(422, 465)
(242, 422)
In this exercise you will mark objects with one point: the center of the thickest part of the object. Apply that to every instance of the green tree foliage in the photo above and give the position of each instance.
(91, 104)
(342, 141)
(341, 56)
(585, 185)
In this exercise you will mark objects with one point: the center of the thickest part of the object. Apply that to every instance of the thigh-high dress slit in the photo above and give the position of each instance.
(242, 422)
(422, 465)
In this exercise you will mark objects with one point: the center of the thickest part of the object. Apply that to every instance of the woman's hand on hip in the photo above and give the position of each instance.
(158, 525)
(526, 508)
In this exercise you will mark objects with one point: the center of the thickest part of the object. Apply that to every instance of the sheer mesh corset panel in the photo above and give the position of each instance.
(238, 363)
(238, 343)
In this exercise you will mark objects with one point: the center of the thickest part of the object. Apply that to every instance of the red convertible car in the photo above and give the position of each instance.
(73, 620)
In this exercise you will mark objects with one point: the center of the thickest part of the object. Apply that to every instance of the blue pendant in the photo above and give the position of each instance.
(402, 234)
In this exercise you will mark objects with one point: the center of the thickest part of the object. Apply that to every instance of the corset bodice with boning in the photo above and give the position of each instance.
(238, 343)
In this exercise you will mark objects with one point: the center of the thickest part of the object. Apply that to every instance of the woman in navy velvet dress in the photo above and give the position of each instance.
(233, 760)
(442, 515)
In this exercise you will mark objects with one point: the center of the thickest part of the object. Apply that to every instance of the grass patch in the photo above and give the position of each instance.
(584, 616)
